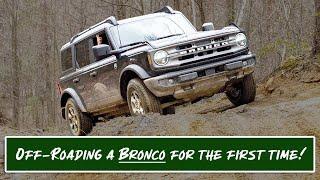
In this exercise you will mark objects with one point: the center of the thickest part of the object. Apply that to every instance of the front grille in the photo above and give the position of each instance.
(185, 46)
(198, 50)
(217, 58)
(203, 61)
(223, 49)
(222, 38)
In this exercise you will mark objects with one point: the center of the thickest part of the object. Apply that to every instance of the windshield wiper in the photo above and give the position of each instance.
(169, 36)
(135, 43)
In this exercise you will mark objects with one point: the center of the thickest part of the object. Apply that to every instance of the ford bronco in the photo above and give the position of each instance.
(148, 64)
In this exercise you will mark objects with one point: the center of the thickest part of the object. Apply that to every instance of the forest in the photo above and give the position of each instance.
(33, 31)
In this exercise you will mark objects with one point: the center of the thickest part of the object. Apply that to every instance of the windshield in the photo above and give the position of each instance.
(151, 29)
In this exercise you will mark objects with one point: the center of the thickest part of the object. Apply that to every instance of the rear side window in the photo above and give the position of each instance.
(66, 59)
(83, 53)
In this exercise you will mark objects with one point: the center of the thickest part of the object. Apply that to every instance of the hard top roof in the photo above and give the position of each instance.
(111, 21)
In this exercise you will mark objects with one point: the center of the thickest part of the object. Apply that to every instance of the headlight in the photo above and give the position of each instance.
(241, 39)
(160, 58)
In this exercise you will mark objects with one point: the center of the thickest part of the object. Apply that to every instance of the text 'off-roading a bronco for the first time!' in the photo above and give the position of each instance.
(148, 64)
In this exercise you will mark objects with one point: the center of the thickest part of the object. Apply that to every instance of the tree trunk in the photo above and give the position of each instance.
(241, 13)
(16, 66)
(121, 9)
(316, 47)
(45, 58)
(55, 65)
(202, 12)
(231, 11)
(142, 7)
(193, 6)
(176, 5)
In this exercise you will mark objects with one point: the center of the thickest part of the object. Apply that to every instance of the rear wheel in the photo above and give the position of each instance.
(242, 92)
(80, 123)
(140, 99)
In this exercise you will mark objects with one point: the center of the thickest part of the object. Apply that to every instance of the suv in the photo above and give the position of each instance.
(148, 64)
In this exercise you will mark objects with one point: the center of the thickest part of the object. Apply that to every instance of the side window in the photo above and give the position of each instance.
(115, 35)
(83, 53)
(66, 59)
(100, 38)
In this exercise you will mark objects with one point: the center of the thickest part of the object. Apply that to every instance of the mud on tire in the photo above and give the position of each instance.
(242, 92)
(80, 123)
(140, 99)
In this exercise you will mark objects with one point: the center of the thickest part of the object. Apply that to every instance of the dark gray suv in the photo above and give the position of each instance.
(150, 64)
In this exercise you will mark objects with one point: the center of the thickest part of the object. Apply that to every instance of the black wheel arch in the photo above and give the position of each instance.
(130, 72)
(71, 93)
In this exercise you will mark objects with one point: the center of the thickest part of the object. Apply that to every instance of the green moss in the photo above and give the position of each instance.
(290, 63)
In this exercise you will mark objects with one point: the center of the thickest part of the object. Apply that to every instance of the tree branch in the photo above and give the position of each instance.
(121, 5)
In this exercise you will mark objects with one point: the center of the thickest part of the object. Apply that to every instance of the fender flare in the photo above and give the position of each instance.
(71, 92)
(136, 69)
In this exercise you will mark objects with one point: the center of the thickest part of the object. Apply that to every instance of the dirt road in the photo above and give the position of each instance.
(293, 108)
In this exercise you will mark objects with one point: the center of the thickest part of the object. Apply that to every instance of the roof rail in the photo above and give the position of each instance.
(111, 20)
(166, 9)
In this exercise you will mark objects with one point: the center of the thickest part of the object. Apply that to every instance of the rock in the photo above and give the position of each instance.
(311, 80)
(311, 77)
(270, 86)
(278, 92)
(242, 109)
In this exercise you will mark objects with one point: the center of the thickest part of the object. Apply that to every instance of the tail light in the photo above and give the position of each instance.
(59, 88)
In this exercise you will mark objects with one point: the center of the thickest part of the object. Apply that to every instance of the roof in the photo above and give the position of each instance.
(165, 11)
(111, 21)
(137, 18)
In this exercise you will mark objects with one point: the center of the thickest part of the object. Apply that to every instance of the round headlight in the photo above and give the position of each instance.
(241, 39)
(160, 58)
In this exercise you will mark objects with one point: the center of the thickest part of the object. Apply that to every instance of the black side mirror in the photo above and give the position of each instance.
(207, 26)
(101, 51)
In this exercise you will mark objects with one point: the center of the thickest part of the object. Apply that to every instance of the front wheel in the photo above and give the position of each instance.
(242, 92)
(80, 123)
(140, 99)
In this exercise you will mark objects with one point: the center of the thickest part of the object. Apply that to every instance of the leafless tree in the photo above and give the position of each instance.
(32, 32)
(316, 48)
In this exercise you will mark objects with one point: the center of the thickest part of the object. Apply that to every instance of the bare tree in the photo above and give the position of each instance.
(201, 5)
(176, 5)
(316, 48)
(32, 32)
(240, 15)
(194, 14)
(231, 10)
(16, 66)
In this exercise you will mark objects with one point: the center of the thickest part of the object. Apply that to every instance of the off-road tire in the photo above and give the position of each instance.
(169, 110)
(148, 101)
(84, 121)
(247, 88)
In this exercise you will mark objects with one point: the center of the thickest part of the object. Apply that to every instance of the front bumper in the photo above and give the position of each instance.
(202, 80)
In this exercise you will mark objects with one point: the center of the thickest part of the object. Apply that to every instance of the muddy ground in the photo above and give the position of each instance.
(284, 106)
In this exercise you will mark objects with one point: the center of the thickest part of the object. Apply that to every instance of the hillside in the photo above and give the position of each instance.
(288, 103)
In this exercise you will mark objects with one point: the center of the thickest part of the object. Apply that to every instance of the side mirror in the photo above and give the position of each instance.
(101, 51)
(207, 26)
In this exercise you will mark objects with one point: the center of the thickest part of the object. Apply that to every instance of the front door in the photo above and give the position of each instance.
(97, 85)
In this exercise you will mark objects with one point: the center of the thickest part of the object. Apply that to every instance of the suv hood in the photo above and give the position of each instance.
(201, 35)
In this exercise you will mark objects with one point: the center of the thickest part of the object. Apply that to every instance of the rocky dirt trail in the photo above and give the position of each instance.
(282, 107)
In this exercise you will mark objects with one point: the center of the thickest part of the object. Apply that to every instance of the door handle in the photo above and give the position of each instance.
(76, 80)
(93, 74)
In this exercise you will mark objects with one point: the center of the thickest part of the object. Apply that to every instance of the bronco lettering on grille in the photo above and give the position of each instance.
(215, 45)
